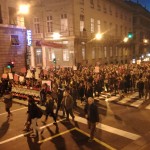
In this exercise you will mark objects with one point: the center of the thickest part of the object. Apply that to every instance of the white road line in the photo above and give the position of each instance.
(14, 110)
(137, 103)
(148, 107)
(110, 129)
(24, 134)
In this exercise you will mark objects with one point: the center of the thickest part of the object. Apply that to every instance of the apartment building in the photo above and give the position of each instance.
(66, 30)
(141, 31)
(12, 36)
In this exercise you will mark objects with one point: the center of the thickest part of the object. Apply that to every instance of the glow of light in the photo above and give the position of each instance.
(145, 41)
(24, 9)
(98, 36)
(125, 40)
(56, 36)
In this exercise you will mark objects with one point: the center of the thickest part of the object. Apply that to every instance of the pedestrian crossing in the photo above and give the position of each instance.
(129, 100)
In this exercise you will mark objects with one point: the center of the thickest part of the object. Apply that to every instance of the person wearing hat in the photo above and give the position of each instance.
(49, 105)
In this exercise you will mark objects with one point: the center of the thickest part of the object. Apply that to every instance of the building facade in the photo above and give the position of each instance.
(66, 30)
(141, 31)
(12, 37)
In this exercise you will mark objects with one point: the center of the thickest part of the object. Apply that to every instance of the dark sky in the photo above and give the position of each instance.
(144, 3)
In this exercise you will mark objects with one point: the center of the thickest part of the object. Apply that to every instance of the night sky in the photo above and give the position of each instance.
(144, 3)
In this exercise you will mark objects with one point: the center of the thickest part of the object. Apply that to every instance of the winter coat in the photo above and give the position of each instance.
(92, 112)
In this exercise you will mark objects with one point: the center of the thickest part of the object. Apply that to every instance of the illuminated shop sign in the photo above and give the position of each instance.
(29, 39)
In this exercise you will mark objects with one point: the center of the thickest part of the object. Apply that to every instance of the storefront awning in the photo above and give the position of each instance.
(52, 44)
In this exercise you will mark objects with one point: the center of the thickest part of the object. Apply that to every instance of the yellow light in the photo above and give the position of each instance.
(145, 41)
(24, 9)
(125, 39)
(56, 36)
(98, 36)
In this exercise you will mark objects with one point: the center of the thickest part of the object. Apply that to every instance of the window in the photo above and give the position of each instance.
(111, 52)
(64, 23)
(37, 25)
(65, 55)
(104, 9)
(116, 13)
(81, 22)
(51, 55)
(93, 53)
(92, 25)
(14, 40)
(12, 16)
(98, 26)
(1, 20)
(49, 24)
(105, 25)
(82, 2)
(98, 5)
(83, 53)
(92, 3)
(116, 30)
(105, 51)
(110, 10)
(116, 53)
(121, 30)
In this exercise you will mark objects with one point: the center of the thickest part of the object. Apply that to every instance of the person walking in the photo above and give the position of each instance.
(67, 102)
(34, 113)
(147, 88)
(49, 107)
(91, 113)
(7, 99)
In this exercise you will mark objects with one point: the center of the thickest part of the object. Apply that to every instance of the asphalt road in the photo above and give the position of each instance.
(120, 126)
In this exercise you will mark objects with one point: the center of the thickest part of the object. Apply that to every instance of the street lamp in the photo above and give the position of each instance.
(56, 36)
(125, 39)
(98, 36)
(23, 9)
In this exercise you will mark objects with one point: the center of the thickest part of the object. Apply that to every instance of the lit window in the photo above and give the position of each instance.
(83, 53)
(49, 24)
(81, 23)
(64, 23)
(111, 52)
(92, 25)
(51, 55)
(105, 51)
(93, 53)
(37, 25)
(65, 55)
(98, 26)
(116, 51)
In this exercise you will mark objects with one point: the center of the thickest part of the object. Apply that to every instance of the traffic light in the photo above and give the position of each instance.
(10, 65)
(54, 60)
(130, 35)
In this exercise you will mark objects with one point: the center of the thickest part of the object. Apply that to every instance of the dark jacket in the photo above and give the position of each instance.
(49, 105)
(92, 112)
(33, 110)
(8, 100)
(68, 102)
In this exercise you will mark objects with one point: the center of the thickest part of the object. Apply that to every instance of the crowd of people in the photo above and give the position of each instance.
(68, 86)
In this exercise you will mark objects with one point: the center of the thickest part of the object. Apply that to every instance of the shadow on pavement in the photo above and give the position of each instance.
(4, 128)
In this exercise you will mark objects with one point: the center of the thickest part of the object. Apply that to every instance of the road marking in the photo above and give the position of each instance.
(110, 129)
(97, 140)
(24, 134)
(13, 111)
(52, 137)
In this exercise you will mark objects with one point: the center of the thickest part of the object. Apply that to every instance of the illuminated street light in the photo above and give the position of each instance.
(56, 36)
(125, 39)
(145, 41)
(24, 9)
(98, 36)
